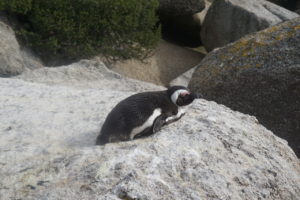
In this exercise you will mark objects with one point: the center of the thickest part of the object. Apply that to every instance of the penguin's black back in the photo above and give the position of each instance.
(133, 112)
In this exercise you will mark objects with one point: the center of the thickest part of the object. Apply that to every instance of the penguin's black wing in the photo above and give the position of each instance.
(137, 108)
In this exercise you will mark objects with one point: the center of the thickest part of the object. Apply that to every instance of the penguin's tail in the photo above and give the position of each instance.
(101, 140)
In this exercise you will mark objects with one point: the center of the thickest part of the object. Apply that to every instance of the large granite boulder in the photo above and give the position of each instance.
(229, 20)
(258, 75)
(47, 147)
(14, 59)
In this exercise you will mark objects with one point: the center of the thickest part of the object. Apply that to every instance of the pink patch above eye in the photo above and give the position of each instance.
(184, 93)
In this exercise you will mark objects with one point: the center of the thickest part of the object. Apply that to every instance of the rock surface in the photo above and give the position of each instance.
(13, 59)
(222, 23)
(201, 15)
(258, 75)
(168, 62)
(173, 8)
(86, 74)
(47, 151)
(183, 79)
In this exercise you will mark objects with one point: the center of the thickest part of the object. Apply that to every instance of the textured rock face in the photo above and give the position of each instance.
(259, 75)
(47, 151)
(173, 8)
(10, 58)
(86, 74)
(229, 20)
(13, 59)
(184, 78)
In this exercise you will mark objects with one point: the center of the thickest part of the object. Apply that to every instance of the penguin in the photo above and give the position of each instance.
(144, 114)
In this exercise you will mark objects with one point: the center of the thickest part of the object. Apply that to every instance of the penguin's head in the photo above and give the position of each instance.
(181, 96)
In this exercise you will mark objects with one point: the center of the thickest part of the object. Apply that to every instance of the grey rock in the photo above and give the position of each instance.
(203, 13)
(86, 74)
(229, 20)
(183, 79)
(14, 59)
(258, 75)
(11, 62)
(47, 151)
(172, 8)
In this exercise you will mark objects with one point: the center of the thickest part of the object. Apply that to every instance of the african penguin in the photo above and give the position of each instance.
(144, 113)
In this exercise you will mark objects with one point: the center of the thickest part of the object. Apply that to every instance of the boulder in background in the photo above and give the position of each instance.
(229, 20)
(258, 75)
(13, 58)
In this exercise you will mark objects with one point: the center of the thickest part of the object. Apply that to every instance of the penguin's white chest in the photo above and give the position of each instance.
(148, 123)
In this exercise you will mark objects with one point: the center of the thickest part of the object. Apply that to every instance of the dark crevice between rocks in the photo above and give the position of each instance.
(181, 30)
(290, 5)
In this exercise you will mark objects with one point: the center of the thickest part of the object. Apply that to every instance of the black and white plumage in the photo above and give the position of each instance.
(144, 113)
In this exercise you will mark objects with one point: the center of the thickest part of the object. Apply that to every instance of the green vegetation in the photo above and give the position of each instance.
(16, 6)
(74, 29)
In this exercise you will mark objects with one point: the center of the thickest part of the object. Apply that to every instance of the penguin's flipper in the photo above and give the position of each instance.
(158, 123)
(173, 119)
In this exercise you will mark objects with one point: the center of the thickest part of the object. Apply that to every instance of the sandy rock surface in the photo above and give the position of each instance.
(168, 62)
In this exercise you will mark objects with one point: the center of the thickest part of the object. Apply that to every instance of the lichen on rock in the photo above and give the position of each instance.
(258, 75)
